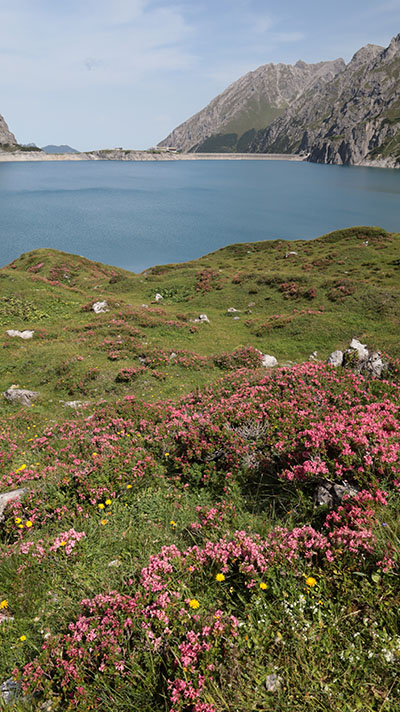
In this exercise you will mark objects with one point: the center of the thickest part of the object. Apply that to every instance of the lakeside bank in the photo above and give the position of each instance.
(125, 155)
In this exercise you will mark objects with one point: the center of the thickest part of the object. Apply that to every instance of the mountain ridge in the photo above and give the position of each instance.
(249, 104)
(344, 114)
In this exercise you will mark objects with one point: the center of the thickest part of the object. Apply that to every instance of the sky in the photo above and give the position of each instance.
(108, 73)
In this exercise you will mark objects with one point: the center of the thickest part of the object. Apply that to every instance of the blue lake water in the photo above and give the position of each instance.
(138, 214)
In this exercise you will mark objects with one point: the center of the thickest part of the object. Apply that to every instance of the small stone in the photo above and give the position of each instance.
(114, 562)
(273, 683)
(232, 310)
(7, 497)
(290, 253)
(201, 319)
(158, 297)
(100, 307)
(269, 361)
(336, 358)
(26, 334)
(75, 404)
(374, 366)
(9, 690)
(15, 393)
(360, 348)
(236, 318)
(323, 496)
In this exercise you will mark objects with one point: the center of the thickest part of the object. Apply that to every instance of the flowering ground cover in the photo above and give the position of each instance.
(169, 553)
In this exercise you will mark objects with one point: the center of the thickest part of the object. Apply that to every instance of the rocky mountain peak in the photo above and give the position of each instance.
(5, 134)
(365, 55)
(229, 122)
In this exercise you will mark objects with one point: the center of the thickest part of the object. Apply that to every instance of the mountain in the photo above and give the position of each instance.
(59, 149)
(230, 121)
(354, 118)
(6, 137)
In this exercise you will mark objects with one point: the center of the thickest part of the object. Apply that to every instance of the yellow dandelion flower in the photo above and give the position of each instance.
(28, 523)
(311, 581)
(128, 486)
(167, 454)
(172, 523)
(263, 585)
(94, 454)
(18, 520)
(22, 638)
(4, 604)
(104, 521)
(220, 577)
(20, 526)
(101, 505)
(193, 603)
(108, 502)
(63, 543)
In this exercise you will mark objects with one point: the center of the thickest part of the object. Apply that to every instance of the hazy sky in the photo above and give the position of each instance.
(105, 73)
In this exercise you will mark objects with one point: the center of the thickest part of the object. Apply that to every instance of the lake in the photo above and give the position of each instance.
(138, 214)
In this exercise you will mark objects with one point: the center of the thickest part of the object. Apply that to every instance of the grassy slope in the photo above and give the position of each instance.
(357, 294)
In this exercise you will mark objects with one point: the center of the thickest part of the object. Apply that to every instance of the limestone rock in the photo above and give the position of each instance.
(336, 358)
(158, 297)
(331, 494)
(273, 682)
(7, 497)
(360, 348)
(16, 394)
(232, 310)
(100, 307)
(201, 319)
(374, 366)
(269, 361)
(75, 404)
(26, 334)
(9, 690)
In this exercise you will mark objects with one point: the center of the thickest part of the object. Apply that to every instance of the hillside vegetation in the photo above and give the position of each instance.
(171, 550)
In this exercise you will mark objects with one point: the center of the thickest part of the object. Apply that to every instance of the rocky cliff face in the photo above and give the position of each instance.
(230, 121)
(5, 134)
(353, 119)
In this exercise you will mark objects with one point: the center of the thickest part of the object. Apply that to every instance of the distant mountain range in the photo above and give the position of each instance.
(331, 112)
(59, 149)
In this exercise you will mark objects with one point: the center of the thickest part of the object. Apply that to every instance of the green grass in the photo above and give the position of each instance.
(329, 644)
(356, 294)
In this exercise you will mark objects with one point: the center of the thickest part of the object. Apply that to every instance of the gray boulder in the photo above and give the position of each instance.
(273, 682)
(374, 366)
(269, 361)
(15, 394)
(331, 494)
(9, 690)
(336, 358)
(26, 334)
(7, 497)
(100, 307)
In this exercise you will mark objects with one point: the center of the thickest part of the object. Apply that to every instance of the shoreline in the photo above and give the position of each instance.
(127, 155)
(121, 155)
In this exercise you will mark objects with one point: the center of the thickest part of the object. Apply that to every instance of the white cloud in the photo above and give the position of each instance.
(96, 42)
